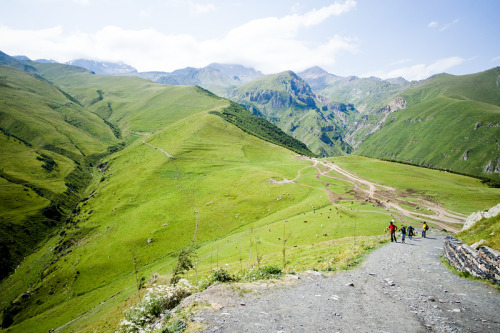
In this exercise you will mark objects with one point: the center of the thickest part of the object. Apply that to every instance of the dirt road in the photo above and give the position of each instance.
(389, 198)
(399, 288)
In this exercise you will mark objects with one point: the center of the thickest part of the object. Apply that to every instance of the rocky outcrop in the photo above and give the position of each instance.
(492, 167)
(465, 156)
(397, 104)
(483, 263)
(474, 217)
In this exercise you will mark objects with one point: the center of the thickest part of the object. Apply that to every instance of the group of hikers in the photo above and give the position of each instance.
(410, 231)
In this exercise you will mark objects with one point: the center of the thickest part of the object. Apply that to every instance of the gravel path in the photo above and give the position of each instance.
(399, 288)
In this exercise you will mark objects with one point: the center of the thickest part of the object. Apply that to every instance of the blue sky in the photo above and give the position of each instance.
(383, 38)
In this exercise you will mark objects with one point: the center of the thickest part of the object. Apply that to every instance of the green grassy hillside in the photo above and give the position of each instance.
(287, 101)
(165, 170)
(46, 142)
(452, 123)
(58, 122)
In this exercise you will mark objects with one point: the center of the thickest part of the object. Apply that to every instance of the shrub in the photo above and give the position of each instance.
(157, 300)
(266, 272)
(176, 326)
(221, 275)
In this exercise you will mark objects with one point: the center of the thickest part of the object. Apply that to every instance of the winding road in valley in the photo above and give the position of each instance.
(388, 197)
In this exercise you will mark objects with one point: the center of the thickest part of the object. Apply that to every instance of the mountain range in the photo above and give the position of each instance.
(107, 178)
(339, 115)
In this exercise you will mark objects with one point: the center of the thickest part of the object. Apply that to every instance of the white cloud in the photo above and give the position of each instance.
(435, 25)
(496, 59)
(198, 9)
(448, 25)
(268, 44)
(419, 71)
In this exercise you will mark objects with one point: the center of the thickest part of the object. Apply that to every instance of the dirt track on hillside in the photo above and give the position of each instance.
(399, 288)
(389, 198)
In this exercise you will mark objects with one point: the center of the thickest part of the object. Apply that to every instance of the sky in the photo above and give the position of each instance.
(413, 39)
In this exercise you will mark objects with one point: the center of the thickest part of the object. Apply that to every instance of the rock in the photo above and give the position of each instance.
(390, 282)
(476, 245)
(474, 217)
(431, 299)
(465, 156)
(198, 319)
(315, 273)
(350, 284)
(150, 240)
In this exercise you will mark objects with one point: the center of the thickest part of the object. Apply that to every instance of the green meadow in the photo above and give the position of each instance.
(158, 170)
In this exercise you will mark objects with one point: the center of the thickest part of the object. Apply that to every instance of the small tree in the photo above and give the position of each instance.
(283, 250)
(184, 264)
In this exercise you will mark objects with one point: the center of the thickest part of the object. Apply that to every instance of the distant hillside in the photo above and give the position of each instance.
(366, 94)
(287, 101)
(451, 123)
(103, 68)
(220, 79)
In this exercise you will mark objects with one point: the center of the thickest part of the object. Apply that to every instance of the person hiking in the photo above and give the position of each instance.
(425, 227)
(403, 233)
(392, 229)
(410, 231)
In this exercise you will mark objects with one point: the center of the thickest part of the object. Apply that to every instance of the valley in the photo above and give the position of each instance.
(105, 180)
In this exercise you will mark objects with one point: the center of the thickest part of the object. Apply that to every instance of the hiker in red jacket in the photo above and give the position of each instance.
(392, 229)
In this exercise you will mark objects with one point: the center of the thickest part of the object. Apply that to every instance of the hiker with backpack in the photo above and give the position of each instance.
(403, 233)
(410, 231)
(425, 227)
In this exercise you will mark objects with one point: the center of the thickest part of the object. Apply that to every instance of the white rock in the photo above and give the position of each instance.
(478, 244)
(474, 217)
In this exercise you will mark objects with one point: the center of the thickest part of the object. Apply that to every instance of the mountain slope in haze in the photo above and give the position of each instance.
(366, 94)
(451, 122)
(287, 101)
(217, 78)
(103, 68)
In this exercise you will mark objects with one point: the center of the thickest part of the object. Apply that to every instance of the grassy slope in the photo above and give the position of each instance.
(216, 191)
(146, 195)
(299, 119)
(486, 229)
(439, 126)
(36, 120)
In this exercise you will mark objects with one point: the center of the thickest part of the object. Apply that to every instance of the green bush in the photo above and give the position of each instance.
(177, 326)
(266, 272)
(221, 275)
